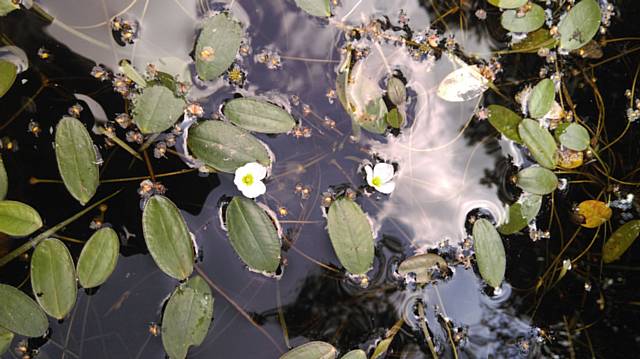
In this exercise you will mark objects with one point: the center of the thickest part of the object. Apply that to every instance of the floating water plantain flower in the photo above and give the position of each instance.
(380, 177)
(249, 178)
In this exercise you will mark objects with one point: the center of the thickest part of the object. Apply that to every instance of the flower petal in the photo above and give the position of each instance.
(369, 172)
(384, 171)
(256, 189)
(387, 188)
(257, 170)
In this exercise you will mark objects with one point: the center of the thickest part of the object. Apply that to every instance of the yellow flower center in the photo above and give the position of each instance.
(377, 181)
(248, 179)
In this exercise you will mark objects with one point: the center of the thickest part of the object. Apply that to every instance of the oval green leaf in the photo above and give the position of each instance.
(319, 8)
(258, 116)
(541, 98)
(355, 354)
(508, 4)
(505, 121)
(535, 40)
(539, 142)
(130, 72)
(620, 241)
(253, 235)
(187, 317)
(394, 118)
(574, 137)
(4, 180)
(8, 73)
(537, 180)
(580, 25)
(351, 236)
(396, 91)
(18, 219)
(521, 213)
(311, 350)
(167, 237)
(21, 314)
(225, 147)
(423, 266)
(217, 46)
(7, 6)
(531, 21)
(98, 258)
(156, 109)
(77, 161)
(53, 278)
(6, 337)
(490, 253)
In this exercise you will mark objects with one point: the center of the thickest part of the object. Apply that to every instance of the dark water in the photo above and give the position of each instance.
(443, 177)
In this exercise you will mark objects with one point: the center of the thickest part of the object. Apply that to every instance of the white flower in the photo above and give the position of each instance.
(249, 178)
(381, 177)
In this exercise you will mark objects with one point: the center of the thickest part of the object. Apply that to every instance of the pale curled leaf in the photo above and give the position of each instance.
(351, 236)
(98, 258)
(489, 251)
(21, 314)
(129, 71)
(7, 6)
(463, 84)
(396, 91)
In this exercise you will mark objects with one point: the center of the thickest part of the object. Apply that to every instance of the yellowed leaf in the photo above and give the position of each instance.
(570, 159)
(594, 213)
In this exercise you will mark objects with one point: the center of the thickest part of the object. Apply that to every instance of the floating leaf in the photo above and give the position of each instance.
(382, 348)
(311, 350)
(131, 73)
(539, 142)
(253, 235)
(620, 241)
(532, 20)
(6, 337)
(463, 84)
(351, 236)
(21, 314)
(156, 109)
(98, 258)
(374, 119)
(258, 116)
(394, 118)
(580, 25)
(167, 237)
(18, 219)
(7, 6)
(570, 159)
(541, 98)
(319, 8)
(537, 180)
(53, 278)
(4, 180)
(490, 253)
(217, 46)
(77, 161)
(505, 121)
(355, 354)
(8, 73)
(422, 266)
(535, 40)
(594, 213)
(507, 4)
(187, 317)
(225, 147)
(396, 91)
(521, 213)
(574, 137)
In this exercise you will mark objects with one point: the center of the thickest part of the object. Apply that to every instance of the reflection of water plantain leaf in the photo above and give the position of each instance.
(620, 241)
(507, 4)
(21, 314)
(541, 98)
(351, 236)
(574, 137)
(187, 317)
(77, 161)
(539, 142)
(594, 212)
(6, 337)
(311, 350)
(532, 20)
(422, 265)
(4, 180)
(355, 354)
(253, 235)
(535, 40)
(217, 46)
(8, 73)
(258, 116)
(98, 258)
(7, 6)
(18, 219)
(156, 109)
(580, 25)
(319, 8)
(396, 91)
(225, 147)
(505, 121)
(537, 180)
(521, 213)
(167, 237)
(490, 253)
(463, 84)
(53, 278)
